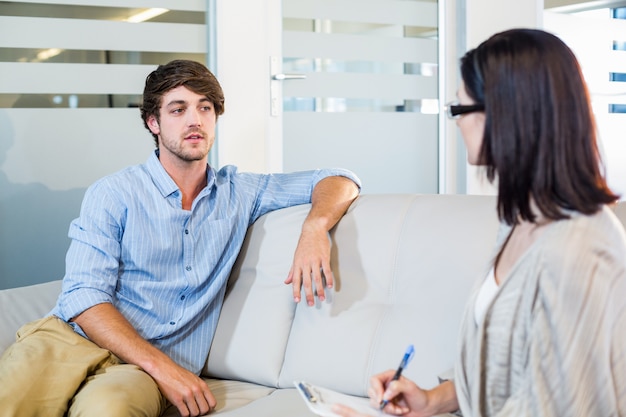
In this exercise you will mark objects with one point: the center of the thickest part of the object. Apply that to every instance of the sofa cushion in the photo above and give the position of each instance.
(230, 396)
(401, 281)
(256, 318)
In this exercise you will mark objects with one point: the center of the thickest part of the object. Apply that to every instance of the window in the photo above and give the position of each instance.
(72, 74)
(600, 48)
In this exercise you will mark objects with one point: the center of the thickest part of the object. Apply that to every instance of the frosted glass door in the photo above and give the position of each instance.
(367, 100)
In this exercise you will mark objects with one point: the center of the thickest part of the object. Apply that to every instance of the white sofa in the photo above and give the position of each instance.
(404, 266)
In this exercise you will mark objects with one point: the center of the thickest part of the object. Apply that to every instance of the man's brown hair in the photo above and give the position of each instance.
(193, 75)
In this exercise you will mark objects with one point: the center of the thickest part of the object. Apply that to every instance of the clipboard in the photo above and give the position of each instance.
(320, 400)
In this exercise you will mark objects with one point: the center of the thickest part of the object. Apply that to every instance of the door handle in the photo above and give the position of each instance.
(283, 77)
(276, 99)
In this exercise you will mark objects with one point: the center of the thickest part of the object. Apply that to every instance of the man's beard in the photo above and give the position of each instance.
(189, 154)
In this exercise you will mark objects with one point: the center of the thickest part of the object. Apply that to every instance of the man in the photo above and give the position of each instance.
(147, 267)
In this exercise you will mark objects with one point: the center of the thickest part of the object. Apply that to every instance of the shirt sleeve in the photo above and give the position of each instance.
(276, 191)
(92, 261)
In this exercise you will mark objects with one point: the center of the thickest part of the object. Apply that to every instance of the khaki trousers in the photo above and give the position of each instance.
(52, 371)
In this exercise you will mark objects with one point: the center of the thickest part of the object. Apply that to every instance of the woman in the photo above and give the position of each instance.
(544, 334)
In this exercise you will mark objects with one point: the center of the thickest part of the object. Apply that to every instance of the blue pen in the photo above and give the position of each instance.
(408, 355)
(307, 392)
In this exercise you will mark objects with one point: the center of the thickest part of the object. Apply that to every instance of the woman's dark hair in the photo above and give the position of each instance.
(540, 134)
(193, 75)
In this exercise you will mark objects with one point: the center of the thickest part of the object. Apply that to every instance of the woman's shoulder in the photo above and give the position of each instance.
(587, 231)
(584, 246)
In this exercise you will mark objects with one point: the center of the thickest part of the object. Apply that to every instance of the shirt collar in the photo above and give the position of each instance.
(162, 179)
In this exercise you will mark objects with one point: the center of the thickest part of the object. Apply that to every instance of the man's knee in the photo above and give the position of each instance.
(118, 391)
(112, 404)
(39, 374)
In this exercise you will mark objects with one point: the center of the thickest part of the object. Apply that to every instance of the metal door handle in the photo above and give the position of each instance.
(282, 77)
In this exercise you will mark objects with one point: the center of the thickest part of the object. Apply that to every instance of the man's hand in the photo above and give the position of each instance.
(188, 392)
(107, 328)
(311, 263)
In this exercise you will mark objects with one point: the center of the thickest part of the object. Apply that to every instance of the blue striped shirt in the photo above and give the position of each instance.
(165, 268)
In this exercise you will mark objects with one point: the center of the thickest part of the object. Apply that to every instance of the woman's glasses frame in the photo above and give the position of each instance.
(454, 110)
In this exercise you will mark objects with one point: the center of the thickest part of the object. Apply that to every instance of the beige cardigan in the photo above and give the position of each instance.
(553, 341)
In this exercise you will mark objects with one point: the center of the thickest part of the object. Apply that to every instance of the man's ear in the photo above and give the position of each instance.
(153, 124)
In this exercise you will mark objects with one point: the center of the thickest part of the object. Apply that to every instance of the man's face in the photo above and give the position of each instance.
(186, 128)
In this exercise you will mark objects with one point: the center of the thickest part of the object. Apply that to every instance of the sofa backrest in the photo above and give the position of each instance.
(404, 266)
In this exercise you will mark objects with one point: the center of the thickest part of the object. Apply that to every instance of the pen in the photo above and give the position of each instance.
(408, 355)
(307, 392)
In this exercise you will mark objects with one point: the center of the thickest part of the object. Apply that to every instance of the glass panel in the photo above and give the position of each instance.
(600, 50)
(377, 42)
(371, 68)
(162, 15)
(403, 162)
(92, 57)
(68, 112)
(619, 45)
(56, 34)
(74, 101)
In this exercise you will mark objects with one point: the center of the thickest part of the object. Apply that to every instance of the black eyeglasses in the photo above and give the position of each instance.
(454, 110)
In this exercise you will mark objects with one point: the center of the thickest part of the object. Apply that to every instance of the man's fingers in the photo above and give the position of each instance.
(295, 279)
(319, 284)
(314, 281)
(307, 283)
(328, 275)
(196, 401)
(210, 400)
(194, 410)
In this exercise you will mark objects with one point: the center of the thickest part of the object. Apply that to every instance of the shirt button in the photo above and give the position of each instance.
(172, 323)
(182, 297)
(186, 231)
(188, 268)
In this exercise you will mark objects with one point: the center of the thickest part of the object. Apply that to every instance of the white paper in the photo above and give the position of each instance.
(324, 398)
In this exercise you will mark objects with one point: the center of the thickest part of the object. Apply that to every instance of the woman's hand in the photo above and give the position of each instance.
(405, 398)
(403, 395)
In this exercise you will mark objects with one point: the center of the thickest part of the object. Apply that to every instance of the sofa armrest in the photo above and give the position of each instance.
(22, 305)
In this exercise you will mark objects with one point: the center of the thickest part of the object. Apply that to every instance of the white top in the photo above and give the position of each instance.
(487, 291)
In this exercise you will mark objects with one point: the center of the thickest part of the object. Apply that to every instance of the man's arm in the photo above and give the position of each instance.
(106, 327)
(330, 199)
